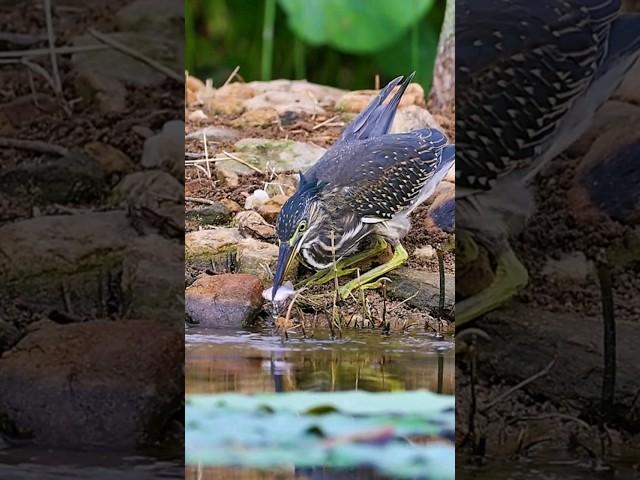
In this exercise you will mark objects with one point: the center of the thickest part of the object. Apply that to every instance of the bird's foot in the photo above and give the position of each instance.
(345, 266)
(511, 277)
(367, 280)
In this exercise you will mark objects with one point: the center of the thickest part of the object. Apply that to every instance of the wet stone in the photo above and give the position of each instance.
(405, 282)
(224, 301)
(257, 258)
(205, 247)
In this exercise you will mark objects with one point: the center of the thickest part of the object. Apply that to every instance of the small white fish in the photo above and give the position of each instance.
(284, 292)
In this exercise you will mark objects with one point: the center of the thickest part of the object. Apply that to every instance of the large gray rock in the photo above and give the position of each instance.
(93, 383)
(281, 155)
(406, 282)
(165, 151)
(224, 301)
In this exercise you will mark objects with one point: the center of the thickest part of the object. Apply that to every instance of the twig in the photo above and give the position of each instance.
(246, 164)
(327, 121)
(525, 382)
(230, 77)
(137, 55)
(609, 339)
(41, 52)
(34, 145)
(52, 46)
(206, 153)
(204, 201)
(405, 300)
(22, 39)
(41, 71)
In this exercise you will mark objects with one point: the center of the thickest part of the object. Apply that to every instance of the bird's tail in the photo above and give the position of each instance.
(377, 117)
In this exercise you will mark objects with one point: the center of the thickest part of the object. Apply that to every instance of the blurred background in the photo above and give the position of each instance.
(343, 43)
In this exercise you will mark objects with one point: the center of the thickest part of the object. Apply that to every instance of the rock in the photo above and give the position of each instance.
(224, 301)
(257, 198)
(405, 282)
(271, 209)
(324, 95)
(111, 64)
(93, 383)
(9, 335)
(257, 258)
(281, 155)
(611, 113)
(232, 206)
(284, 102)
(76, 178)
(162, 16)
(412, 118)
(257, 117)
(154, 202)
(206, 246)
(165, 151)
(107, 93)
(214, 133)
(283, 184)
(628, 90)
(151, 280)
(426, 252)
(111, 160)
(228, 100)
(216, 214)
(251, 223)
(227, 176)
(356, 101)
(572, 267)
(197, 115)
(74, 252)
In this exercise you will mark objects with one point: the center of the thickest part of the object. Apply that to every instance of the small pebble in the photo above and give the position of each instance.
(256, 199)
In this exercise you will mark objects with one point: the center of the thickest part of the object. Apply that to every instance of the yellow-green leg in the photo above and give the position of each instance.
(399, 257)
(343, 266)
(511, 277)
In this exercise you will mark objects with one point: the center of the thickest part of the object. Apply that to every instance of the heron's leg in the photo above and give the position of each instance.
(399, 257)
(343, 267)
(511, 277)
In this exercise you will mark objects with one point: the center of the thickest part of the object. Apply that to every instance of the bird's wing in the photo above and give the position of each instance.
(520, 67)
(377, 117)
(381, 176)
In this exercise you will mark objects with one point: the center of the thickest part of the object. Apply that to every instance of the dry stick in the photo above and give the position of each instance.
(609, 334)
(327, 121)
(206, 153)
(52, 46)
(41, 71)
(205, 201)
(230, 77)
(523, 383)
(41, 52)
(34, 145)
(405, 300)
(246, 164)
(137, 55)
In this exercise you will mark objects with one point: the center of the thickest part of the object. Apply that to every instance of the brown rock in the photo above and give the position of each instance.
(107, 93)
(259, 117)
(284, 102)
(224, 301)
(100, 382)
(232, 206)
(356, 101)
(250, 222)
(229, 99)
(111, 160)
(271, 209)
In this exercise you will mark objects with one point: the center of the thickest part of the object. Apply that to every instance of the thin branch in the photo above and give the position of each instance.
(230, 77)
(41, 52)
(204, 201)
(246, 164)
(137, 55)
(525, 382)
(57, 85)
(34, 145)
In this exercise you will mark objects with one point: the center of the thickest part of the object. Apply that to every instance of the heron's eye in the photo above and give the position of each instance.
(302, 226)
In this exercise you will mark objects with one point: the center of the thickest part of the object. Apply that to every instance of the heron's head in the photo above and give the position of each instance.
(296, 221)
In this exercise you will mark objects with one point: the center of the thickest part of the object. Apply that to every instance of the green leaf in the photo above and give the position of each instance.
(353, 26)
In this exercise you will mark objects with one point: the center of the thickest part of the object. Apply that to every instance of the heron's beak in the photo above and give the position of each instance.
(285, 259)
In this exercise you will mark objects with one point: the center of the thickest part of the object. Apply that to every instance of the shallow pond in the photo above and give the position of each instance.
(257, 362)
(248, 362)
